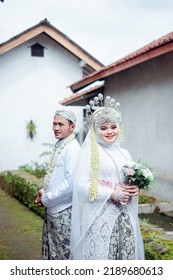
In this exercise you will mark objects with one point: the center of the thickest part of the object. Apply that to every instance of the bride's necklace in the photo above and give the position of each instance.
(54, 158)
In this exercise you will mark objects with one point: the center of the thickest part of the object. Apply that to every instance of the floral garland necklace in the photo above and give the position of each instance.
(54, 158)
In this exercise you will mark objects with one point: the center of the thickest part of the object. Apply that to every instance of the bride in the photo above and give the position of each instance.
(105, 222)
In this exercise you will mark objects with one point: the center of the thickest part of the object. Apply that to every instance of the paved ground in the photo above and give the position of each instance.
(20, 231)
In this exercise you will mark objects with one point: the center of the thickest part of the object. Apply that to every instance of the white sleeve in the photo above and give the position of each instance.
(63, 188)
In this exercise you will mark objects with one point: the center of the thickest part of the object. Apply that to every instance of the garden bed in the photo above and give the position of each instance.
(24, 187)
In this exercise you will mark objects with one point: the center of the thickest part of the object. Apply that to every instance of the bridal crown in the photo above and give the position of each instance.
(100, 111)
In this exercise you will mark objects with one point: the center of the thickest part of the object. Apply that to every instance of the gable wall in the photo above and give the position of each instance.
(30, 89)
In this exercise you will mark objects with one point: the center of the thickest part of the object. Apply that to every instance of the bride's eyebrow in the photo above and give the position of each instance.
(103, 125)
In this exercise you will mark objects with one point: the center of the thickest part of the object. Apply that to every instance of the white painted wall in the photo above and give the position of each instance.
(145, 93)
(31, 88)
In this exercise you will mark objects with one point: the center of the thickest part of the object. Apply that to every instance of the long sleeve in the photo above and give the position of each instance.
(60, 187)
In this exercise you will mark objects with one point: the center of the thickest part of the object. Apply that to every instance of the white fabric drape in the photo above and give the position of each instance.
(93, 222)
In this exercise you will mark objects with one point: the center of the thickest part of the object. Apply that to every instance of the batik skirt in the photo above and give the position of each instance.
(122, 241)
(56, 236)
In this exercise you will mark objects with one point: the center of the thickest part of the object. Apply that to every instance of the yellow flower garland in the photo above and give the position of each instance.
(54, 158)
(93, 189)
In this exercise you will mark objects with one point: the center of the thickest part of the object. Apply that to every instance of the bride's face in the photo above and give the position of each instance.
(109, 132)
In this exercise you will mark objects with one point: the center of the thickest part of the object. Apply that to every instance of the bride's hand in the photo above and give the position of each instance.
(132, 190)
(120, 195)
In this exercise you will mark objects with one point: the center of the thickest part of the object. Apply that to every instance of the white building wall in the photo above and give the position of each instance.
(30, 90)
(145, 93)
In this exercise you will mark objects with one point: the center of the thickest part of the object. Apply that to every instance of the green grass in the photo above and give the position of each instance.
(20, 230)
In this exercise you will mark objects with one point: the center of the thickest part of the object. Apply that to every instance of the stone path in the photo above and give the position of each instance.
(20, 230)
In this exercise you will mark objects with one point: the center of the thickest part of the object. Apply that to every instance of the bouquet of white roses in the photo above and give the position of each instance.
(138, 174)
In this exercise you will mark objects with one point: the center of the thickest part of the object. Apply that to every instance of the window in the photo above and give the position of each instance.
(37, 50)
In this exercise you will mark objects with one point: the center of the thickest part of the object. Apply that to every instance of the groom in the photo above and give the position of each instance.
(56, 194)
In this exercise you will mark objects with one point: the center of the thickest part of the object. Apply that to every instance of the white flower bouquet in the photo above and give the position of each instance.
(138, 174)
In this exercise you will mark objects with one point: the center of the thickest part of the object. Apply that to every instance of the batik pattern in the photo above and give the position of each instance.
(56, 236)
(122, 240)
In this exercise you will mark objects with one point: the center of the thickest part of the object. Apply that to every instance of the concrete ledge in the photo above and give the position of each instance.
(155, 207)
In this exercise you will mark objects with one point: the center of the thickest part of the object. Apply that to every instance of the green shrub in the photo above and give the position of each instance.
(143, 199)
(38, 170)
(23, 188)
